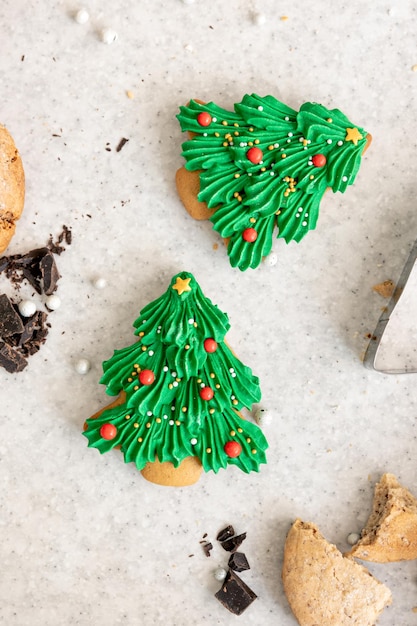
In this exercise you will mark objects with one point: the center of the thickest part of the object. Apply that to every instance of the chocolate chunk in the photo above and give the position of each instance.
(10, 322)
(11, 360)
(234, 594)
(49, 273)
(233, 543)
(238, 562)
(226, 533)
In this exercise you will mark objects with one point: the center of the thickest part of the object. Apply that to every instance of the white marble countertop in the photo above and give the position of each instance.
(85, 539)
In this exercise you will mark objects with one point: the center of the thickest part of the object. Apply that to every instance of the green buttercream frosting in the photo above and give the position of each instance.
(284, 189)
(168, 418)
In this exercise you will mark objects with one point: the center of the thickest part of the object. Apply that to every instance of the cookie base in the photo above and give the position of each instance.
(187, 473)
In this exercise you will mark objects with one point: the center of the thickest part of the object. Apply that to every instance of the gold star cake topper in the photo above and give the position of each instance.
(353, 134)
(181, 285)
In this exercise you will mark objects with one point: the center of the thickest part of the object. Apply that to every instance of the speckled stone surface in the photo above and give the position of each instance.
(85, 539)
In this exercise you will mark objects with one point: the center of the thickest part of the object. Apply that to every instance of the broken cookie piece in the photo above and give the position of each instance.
(325, 588)
(12, 188)
(391, 531)
(234, 594)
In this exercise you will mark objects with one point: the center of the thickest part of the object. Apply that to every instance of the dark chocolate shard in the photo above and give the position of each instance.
(238, 562)
(11, 360)
(233, 543)
(234, 594)
(225, 533)
(10, 321)
(49, 272)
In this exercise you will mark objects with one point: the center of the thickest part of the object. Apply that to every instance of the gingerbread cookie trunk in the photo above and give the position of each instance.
(181, 389)
(324, 588)
(262, 167)
(12, 188)
(391, 531)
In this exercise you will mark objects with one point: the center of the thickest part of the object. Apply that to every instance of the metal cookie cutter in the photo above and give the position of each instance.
(399, 355)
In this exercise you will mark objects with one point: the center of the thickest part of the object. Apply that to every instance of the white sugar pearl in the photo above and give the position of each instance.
(353, 538)
(271, 259)
(263, 417)
(53, 302)
(82, 16)
(108, 35)
(27, 308)
(259, 19)
(99, 283)
(82, 366)
(219, 573)
(193, 441)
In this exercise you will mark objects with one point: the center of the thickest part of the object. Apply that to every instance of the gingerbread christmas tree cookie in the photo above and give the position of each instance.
(180, 391)
(263, 168)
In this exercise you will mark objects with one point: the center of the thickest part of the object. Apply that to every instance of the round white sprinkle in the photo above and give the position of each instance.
(108, 35)
(204, 134)
(233, 375)
(27, 308)
(271, 259)
(263, 417)
(231, 369)
(340, 143)
(191, 321)
(276, 145)
(81, 16)
(53, 302)
(82, 366)
(259, 19)
(175, 384)
(353, 538)
(271, 173)
(193, 441)
(171, 422)
(219, 573)
(99, 283)
(286, 118)
(165, 368)
(165, 417)
(174, 374)
(151, 352)
(304, 223)
(344, 179)
(290, 134)
(214, 119)
(329, 141)
(260, 108)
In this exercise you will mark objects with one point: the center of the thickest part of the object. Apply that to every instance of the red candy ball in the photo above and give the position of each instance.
(210, 345)
(319, 160)
(250, 235)
(255, 155)
(206, 393)
(204, 118)
(108, 431)
(146, 377)
(232, 449)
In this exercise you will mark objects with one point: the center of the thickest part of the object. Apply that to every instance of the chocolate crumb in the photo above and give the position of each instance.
(234, 594)
(207, 547)
(122, 142)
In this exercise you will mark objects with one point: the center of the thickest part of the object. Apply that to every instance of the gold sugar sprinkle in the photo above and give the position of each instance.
(135, 425)
(256, 141)
(127, 417)
(240, 430)
(136, 387)
(254, 451)
(140, 439)
(211, 411)
(232, 433)
(184, 409)
(148, 425)
(158, 420)
(177, 422)
(248, 439)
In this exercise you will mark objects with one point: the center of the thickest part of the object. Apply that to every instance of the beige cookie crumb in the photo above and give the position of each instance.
(385, 289)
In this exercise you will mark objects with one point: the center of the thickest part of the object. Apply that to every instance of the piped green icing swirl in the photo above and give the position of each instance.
(168, 418)
(284, 190)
